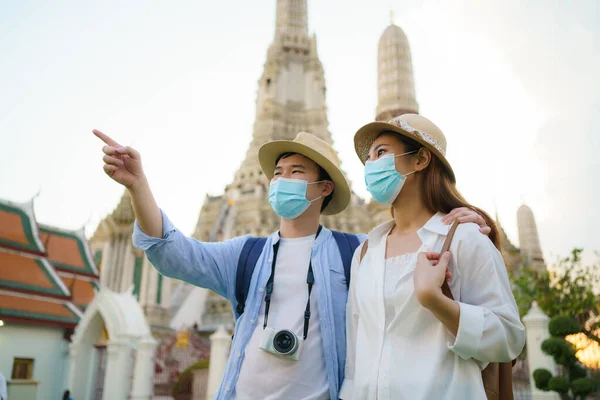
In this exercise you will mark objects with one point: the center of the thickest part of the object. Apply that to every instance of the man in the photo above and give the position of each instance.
(306, 180)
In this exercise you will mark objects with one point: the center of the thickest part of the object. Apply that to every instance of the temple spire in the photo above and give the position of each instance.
(292, 17)
(528, 237)
(395, 81)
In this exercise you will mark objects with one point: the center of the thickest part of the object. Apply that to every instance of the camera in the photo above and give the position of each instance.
(283, 343)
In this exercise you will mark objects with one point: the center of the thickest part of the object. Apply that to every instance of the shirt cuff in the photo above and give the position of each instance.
(346, 390)
(144, 242)
(470, 330)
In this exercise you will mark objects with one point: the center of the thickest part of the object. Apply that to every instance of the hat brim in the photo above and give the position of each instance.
(269, 152)
(365, 136)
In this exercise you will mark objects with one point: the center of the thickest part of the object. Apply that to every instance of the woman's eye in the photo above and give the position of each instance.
(380, 152)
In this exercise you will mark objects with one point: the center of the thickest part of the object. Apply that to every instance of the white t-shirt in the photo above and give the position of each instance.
(266, 376)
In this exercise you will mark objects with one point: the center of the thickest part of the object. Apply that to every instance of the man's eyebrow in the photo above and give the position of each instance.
(293, 166)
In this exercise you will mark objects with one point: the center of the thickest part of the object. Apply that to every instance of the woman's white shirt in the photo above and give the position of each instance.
(409, 354)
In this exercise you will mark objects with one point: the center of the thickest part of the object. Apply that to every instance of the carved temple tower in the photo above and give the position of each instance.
(395, 89)
(125, 268)
(290, 99)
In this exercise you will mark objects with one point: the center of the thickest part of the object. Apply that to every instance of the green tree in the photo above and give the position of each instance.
(567, 288)
(568, 293)
(575, 384)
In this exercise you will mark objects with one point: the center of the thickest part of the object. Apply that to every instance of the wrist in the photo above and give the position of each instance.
(432, 298)
(139, 185)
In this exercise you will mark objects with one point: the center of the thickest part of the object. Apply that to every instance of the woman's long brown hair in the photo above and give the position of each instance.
(441, 194)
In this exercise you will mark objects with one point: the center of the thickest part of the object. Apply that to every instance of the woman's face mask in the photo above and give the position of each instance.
(288, 197)
(382, 180)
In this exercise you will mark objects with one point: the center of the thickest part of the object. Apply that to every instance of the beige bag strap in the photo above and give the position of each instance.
(445, 248)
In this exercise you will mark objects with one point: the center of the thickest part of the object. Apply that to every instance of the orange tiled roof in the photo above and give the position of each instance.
(18, 228)
(82, 290)
(68, 251)
(39, 309)
(31, 274)
(32, 289)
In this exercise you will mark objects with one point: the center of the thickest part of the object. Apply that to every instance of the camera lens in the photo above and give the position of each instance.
(285, 342)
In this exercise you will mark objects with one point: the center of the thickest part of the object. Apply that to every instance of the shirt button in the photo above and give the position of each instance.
(261, 290)
(238, 354)
(227, 388)
(270, 260)
(252, 321)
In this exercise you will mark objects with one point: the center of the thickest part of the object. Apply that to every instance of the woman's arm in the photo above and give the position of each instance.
(485, 321)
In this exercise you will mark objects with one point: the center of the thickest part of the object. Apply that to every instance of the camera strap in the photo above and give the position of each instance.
(310, 280)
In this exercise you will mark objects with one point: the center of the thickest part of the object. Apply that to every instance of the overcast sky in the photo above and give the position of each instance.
(514, 85)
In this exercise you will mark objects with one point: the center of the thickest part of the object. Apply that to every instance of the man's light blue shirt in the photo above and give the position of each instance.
(213, 265)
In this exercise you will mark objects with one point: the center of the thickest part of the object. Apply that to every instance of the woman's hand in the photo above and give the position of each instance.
(464, 214)
(429, 276)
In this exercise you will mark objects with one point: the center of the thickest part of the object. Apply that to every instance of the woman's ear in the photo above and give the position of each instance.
(423, 159)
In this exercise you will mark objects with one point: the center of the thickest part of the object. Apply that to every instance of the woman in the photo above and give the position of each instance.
(406, 340)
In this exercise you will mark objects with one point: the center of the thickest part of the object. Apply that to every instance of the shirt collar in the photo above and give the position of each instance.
(380, 232)
(323, 236)
(434, 225)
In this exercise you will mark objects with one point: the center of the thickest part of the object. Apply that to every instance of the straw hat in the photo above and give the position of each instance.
(321, 153)
(414, 127)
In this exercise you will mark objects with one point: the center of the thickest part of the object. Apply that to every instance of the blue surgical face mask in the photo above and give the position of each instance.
(288, 197)
(382, 180)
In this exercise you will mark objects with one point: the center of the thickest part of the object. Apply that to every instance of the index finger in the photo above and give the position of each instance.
(453, 214)
(472, 217)
(449, 217)
(432, 255)
(106, 139)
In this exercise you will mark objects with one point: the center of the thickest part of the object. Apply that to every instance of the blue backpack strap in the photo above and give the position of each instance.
(246, 263)
(347, 243)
